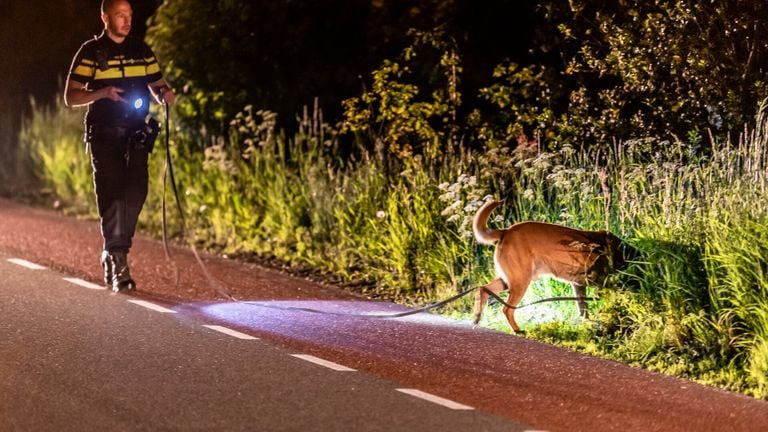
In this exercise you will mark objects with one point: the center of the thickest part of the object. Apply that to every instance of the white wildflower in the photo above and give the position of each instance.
(528, 194)
(451, 209)
(447, 197)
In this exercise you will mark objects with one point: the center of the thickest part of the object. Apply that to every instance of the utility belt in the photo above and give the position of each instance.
(140, 136)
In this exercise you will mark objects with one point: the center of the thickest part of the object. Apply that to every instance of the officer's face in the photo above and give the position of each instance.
(118, 19)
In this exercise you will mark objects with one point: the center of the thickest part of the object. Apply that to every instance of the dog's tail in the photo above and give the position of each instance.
(480, 224)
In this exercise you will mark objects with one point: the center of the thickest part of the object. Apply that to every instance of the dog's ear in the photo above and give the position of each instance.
(628, 252)
(623, 253)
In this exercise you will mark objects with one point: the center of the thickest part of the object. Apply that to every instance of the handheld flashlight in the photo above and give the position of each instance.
(138, 103)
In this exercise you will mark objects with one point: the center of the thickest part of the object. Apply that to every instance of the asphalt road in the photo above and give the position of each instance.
(179, 366)
(80, 359)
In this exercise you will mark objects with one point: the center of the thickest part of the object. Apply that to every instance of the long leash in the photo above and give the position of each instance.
(219, 288)
(374, 315)
(546, 300)
(365, 315)
(168, 174)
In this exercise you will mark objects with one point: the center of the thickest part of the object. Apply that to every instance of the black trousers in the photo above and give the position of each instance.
(120, 179)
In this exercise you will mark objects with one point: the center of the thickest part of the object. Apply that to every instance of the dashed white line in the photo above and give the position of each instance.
(152, 306)
(25, 263)
(230, 332)
(321, 362)
(85, 284)
(435, 399)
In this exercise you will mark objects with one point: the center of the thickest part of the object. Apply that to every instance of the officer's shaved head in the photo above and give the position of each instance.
(107, 5)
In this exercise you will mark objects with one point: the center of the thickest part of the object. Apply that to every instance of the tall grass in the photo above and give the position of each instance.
(694, 305)
(52, 145)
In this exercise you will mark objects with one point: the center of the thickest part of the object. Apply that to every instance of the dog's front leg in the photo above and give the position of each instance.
(580, 292)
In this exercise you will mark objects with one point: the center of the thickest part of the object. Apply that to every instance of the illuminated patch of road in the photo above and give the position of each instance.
(85, 284)
(435, 399)
(325, 363)
(230, 332)
(151, 306)
(25, 263)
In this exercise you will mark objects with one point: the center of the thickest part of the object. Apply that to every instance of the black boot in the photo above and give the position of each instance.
(121, 273)
(106, 264)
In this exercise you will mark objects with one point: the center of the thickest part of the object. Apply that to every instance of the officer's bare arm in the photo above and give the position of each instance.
(162, 91)
(76, 94)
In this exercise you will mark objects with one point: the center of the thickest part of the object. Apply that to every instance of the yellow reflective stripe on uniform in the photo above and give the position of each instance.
(125, 62)
(87, 62)
(153, 68)
(83, 71)
(113, 73)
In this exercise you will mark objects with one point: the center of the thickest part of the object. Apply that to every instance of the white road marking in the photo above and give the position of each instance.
(321, 362)
(435, 399)
(230, 332)
(152, 306)
(25, 263)
(85, 284)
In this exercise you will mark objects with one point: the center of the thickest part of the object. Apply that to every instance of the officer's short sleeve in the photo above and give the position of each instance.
(153, 67)
(83, 66)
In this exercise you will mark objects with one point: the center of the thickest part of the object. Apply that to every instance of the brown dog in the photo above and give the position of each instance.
(528, 250)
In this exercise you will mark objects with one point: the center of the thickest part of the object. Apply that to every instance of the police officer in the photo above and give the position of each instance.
(114, 74)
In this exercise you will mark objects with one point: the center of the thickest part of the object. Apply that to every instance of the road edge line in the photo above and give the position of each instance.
(325, 363)
(84, 283)
(230, 332)
(26, 264)
(151, 306)
(435, 399)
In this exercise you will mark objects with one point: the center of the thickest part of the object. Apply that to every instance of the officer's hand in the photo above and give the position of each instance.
(167, 96)
(113, 93)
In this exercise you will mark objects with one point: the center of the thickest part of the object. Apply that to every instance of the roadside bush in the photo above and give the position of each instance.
(666, 68)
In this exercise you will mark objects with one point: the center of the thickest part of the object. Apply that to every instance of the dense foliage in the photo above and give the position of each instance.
(666, 68)
(582, 71)
(281, 55)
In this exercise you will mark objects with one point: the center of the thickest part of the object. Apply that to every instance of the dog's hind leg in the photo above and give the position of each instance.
(580, 292)
(517, 290)
(481, 297)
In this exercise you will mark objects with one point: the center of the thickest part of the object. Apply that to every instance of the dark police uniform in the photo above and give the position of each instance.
(119, 165)
(119, 159)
